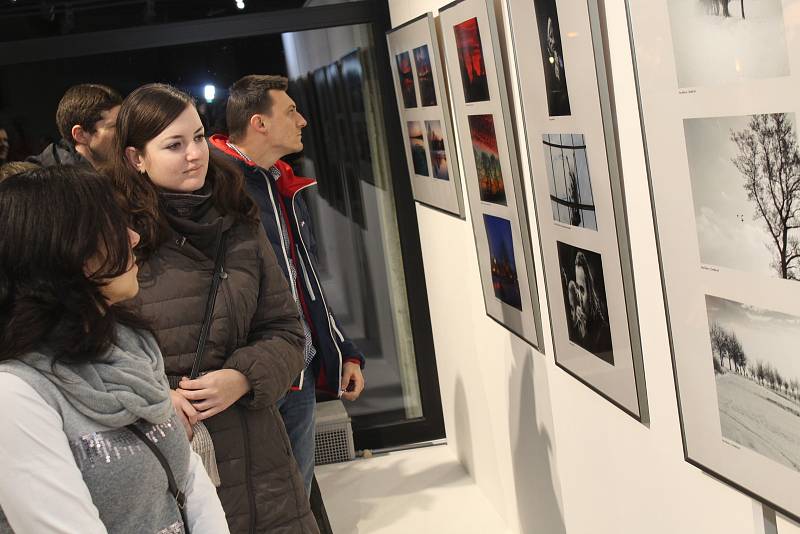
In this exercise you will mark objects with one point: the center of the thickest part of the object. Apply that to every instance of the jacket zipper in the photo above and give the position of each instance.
(305, 276)
(279, 222)
(248, 473)
(321, 294)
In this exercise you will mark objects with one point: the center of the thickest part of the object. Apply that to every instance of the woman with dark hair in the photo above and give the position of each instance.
(86, 415)
(220, 306)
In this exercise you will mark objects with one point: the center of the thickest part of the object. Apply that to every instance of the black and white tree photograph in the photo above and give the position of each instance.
(757, 375)
(745, 175)
(722, 41)
(568, 177)
(585, 302)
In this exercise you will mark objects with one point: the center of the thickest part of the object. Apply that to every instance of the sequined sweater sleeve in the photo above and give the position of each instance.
(41, 487)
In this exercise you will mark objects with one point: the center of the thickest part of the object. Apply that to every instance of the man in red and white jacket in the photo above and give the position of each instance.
(264, 126)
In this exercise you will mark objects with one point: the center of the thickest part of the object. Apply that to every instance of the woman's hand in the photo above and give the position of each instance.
(186, 412)
(214, 392)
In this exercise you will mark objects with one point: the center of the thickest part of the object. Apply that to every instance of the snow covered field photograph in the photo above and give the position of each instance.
(745, 176)
(757, 375)
(722, 41)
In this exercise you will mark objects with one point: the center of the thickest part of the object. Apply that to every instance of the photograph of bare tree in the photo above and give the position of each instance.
(487, 159)
(722, 41)
(568, 177)
(757, 378)
(745, 175)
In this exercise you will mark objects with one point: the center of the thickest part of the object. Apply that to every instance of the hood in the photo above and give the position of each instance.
(288, 184)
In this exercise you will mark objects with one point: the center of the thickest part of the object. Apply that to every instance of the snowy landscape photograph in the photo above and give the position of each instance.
(722, 41)
(745, 176)
(757, 377)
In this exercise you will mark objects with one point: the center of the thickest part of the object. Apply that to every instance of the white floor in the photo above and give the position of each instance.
(418, 491)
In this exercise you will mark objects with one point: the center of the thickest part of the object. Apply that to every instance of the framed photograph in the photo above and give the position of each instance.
(717, 87)
(491, 166)
(425, 115)
(572, 141)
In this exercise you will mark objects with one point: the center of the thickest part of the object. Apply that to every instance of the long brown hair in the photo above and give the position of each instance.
(144, 114)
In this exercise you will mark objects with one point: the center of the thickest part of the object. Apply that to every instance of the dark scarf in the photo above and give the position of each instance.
(194, 217)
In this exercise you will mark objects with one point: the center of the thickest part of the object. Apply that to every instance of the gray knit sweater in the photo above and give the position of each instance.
(67, 462)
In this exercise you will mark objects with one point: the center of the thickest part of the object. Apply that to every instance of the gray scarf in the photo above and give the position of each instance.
(125, 385)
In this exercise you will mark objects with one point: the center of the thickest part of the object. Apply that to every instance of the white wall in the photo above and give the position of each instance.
(551, 455)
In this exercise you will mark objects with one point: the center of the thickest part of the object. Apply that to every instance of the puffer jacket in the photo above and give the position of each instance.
(255, 330)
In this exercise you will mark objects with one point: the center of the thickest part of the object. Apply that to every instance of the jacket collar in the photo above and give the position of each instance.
(288, 183)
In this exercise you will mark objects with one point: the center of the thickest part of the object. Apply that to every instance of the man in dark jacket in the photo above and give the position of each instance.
(264, 126)
(86, 118)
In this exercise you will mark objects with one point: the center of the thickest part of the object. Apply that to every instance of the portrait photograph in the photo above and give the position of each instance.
(418, 153)
(437, 150)
(427, 91)
(757, 376)
(555, 75)
(745, 176)
(406, 74)
(487, 159)
(717, 42)
(585, 302)
(470, 61)
(501, 258)
(568, 178)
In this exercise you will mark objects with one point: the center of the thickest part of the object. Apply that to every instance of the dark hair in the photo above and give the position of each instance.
(54, 221)
(144, 114)
(248, 96)
(15, 167)
(83, 105)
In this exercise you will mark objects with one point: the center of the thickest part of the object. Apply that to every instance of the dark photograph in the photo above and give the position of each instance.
(470, 59)
(418, 155)
(568, 176)
(757, 374)
(487, 159)
(438, 154)
(722, 41)
(427, 93)
(585, 300)
(503, 265)
(555, 77)
(406, 75)
(745, 176)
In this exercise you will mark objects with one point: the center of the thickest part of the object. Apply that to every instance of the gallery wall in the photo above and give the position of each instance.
(551, 455)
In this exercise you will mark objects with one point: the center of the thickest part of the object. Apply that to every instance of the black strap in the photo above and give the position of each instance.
(180, 497)
(219, 275)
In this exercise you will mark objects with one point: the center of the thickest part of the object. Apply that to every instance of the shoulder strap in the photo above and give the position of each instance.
(219, 275)
(180, 497)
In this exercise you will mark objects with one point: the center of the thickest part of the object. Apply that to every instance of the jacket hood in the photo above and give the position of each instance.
(288, 184)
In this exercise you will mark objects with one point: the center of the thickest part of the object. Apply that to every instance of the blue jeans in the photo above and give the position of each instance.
(297, 409)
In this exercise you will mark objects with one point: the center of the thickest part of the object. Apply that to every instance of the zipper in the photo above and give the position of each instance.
(321, 294)
(248, 474)
(305, 276)
(278, 221)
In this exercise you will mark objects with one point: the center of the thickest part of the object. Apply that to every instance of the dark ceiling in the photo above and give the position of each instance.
(29, 19)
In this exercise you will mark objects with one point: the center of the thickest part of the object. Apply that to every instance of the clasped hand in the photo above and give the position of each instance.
(208, 395)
